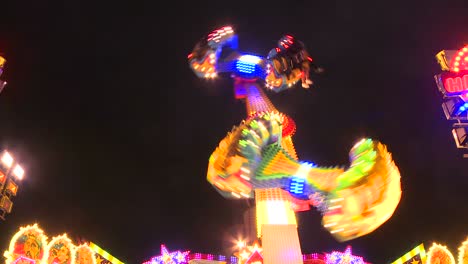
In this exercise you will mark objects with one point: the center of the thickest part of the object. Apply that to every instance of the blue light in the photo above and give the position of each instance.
(296, 185)
(245, 67)
(247, 63)
(462, 108)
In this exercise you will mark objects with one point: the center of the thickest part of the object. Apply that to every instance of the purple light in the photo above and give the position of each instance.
(343, 257)
(23, 258)
(166, 257)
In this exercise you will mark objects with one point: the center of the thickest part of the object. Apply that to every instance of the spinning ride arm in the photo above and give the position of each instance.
(259, 154)
(289, 63)
(204, 58)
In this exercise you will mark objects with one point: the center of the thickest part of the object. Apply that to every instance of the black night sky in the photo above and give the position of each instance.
(115, 131)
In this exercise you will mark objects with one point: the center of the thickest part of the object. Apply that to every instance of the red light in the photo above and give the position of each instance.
(460, 61)
(455, 83)
(189, 56)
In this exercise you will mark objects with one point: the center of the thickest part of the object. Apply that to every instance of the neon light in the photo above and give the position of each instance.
(24, 260)
(462, 109)
(456, 83)
(419, 250)
(250, 59)
(30, 242)
(343, 257)
(463, 252)
(104, 254)
(439, 254)
(61, 250)
(460, 61)
(296, 185)
(166, 257)
(247, 63)
(245, 67)
(85, 255)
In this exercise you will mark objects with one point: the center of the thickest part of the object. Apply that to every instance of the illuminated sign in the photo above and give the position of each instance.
(455, 83)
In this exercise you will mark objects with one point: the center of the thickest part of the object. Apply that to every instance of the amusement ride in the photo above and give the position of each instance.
(257, 159)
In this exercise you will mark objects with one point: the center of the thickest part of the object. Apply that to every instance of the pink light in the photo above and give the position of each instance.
(31, 261)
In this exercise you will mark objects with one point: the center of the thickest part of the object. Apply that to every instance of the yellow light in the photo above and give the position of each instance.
(29, 230)
(63, 242)
(7, 159)
(85, 254)
(277, 212)
(255, 247)
(244, 254)
(329, 224)
(303, 171)
(419, 250)
(337, 230)
(273, 207)
(439, 254)
(104, 254)
(463, 253)
(240, 244)
(245, 195)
